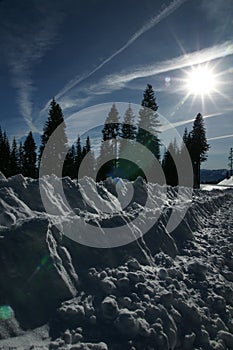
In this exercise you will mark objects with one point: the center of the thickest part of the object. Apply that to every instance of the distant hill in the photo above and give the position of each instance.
(213, 176)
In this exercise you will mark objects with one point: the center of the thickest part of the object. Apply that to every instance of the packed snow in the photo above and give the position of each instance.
(165, 290)
(226, 183)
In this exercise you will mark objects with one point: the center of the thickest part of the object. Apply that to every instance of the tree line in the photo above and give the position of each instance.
(118, 141)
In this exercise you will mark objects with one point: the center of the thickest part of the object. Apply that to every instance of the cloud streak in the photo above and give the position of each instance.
(173, 6)
(184, 122)
(25, 43)
(198, 57)
(220, 137)
(113, 82)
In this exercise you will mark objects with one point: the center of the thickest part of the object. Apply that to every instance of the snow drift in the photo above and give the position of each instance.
(162, 291)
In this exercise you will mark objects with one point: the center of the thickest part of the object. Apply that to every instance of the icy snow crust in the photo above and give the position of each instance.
(163, 291)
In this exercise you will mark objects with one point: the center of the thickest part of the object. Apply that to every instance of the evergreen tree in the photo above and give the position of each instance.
(111, 129)
(87, 147)
(29, 157)
(109, 145)
(127, 169)
(168, 164)
(69, 164)
(4, 154)
(78, 156)
(90, 161)
(230, 158)
(128, 129)
(57, 150)
(14, 159)
(198, 147)
(20, 157)
(148, 124)
(185, 136)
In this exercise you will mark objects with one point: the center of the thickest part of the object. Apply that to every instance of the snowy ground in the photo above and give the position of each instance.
(226, 183)
(165, 291)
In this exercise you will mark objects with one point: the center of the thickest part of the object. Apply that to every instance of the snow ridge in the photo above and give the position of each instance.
(164, 290)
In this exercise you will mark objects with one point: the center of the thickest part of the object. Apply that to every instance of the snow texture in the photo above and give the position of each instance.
(163, 291)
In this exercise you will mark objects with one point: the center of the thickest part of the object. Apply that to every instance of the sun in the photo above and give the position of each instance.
(201, 81)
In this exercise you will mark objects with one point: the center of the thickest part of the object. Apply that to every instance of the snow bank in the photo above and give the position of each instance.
(227, 182)
(165, 290)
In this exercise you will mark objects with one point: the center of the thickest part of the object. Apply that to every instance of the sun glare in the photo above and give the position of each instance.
(201, 81)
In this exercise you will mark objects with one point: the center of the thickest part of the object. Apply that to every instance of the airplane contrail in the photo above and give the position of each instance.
(184, 122)
(220, 137)
(174, 5)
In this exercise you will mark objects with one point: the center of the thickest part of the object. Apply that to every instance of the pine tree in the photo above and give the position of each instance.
(4, 154)
(198, 147)
(128, 127)
(89, 168)
(126, 168)
(109, 146)
(148, 122)
(78, 156)
(29, 157)
(56, 150)
(69, 164)
(14, 159)
(230, 158)
(20, 157)
(168, 164)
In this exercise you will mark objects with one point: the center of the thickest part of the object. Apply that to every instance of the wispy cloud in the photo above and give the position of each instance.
(173, 6)
(25, 42)
(185, 122)
(113, 82)
(116, 81)
(220, 137)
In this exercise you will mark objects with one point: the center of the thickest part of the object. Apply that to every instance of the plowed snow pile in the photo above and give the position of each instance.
(162, 291)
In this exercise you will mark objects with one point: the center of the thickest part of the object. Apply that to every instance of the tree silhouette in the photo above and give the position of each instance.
(4, 154)
(148, 124)
(128, 132)
(168, 164)
(14, 158)
(109, 149)
(29, 157)
(56, 150)
(69, 164)
(89, 167)
(230, 158)
(198, 147)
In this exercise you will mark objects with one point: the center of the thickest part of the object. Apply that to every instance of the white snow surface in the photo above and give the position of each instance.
(226, 183)
(179, 297)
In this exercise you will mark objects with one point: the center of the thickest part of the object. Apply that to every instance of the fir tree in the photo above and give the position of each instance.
(128, 128)
(14, 158)
(168, 164)
(148, 122)
(20, 157)
(29, 157)
(4, 154)
(89, 168)
(230, 158)
(126, 168)
(56, 150)
(69, 164)
(198, 147)
(78, 156)
(109, 149)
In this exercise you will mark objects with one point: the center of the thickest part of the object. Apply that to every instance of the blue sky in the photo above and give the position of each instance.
(92, 52)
